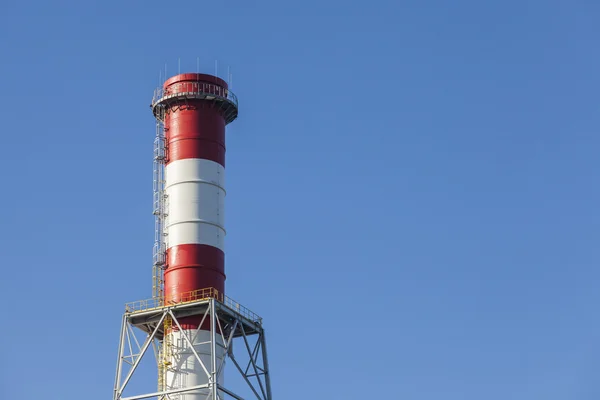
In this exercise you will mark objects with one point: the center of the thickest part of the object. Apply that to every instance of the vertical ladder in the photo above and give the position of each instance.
(159, 211)
(165, 354)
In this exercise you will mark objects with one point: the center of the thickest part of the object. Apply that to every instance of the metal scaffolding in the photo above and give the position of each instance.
(228, 324)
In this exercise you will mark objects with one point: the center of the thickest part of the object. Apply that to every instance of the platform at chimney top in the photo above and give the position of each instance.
(182, 93)
(146, 314)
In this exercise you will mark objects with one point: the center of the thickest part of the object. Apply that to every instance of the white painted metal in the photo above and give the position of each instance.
(185, 371)
(196, 192)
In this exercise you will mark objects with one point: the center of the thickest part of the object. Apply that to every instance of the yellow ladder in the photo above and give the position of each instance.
(166, 354)
(158, 284)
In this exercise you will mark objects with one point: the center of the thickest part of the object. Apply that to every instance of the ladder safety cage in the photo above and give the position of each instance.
(159, 211)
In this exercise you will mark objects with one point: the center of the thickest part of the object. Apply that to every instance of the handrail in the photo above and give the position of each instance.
(198, 88)
(193, 296)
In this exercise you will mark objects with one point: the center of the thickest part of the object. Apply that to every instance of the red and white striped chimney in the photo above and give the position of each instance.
(195, 197)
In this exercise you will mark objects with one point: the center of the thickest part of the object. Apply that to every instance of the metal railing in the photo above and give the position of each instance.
(190, 297)
(193, 88)
(240, 309)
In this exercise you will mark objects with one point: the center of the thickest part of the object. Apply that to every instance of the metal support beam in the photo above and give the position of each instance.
(141, 355)
(250, 352)
(189, 342)
(119, 360)
(265, 362)
(166, 392)
(227, 326)
(213, 350)
(229, 392)
(245, 378)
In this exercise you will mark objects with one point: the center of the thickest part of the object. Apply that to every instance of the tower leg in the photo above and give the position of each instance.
(266, 364)
(120, 357)
(213, 350)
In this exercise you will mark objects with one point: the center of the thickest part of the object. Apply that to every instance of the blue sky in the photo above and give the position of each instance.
(412, 190)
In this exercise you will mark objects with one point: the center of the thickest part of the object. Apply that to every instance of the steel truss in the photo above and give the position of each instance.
(226, 325)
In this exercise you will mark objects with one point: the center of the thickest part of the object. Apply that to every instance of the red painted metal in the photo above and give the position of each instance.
(192, 77)
(192, 267)
(195, 128)
(195, 132)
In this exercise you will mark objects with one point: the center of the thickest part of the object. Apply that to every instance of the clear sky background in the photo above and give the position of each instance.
(412, 198)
